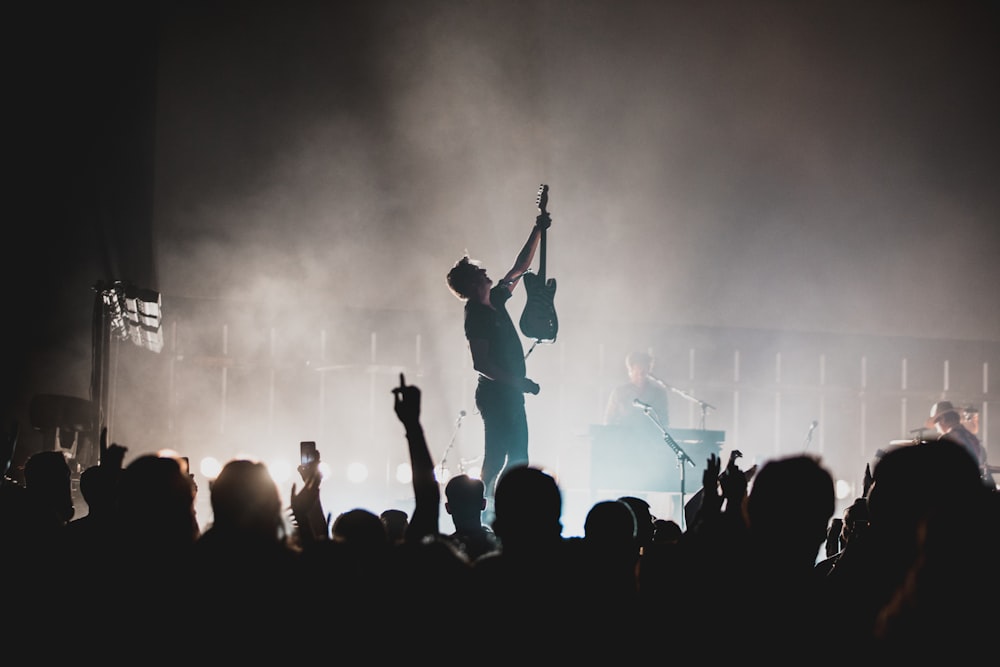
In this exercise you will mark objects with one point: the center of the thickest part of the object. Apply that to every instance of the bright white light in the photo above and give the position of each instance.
(404, 473)
(210, 467)
(282, 471)
(357, 472)
(844, 489)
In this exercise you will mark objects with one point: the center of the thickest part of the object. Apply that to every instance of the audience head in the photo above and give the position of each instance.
(610, 522)
(48, 479)
(396, 522)
(666, 531)
(98, 486)
(465, 496)
(156, 503)
(790, 505)
(360, 527)
(528, 507)
(914, 482)
(246, 500)
(643, 519)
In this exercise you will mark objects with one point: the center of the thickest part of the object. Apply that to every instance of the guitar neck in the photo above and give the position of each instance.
(541, 256)
(543, 201)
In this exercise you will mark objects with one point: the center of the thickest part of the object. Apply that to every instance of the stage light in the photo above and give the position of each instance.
(133, 313)
(282, 471)
(357, 472)
(210, 467)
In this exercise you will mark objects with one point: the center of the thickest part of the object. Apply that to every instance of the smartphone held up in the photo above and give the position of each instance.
(308, 454)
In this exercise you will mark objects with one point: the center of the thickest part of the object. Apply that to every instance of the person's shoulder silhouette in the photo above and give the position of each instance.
(788, 511)
(940, 525)
(246, 555)
(611, 552)
(33, 518)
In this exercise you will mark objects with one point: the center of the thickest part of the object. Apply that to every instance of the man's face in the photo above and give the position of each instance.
(945, 422)
(481, 280)
(637, 373)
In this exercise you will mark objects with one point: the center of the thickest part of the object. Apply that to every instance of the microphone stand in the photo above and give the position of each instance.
(451, 443)
(682, 456)
(705, 407)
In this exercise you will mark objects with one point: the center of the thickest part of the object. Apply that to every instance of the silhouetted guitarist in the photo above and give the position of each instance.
(498, 358)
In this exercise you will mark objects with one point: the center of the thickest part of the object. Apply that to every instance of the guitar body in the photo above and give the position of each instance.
(539, 320)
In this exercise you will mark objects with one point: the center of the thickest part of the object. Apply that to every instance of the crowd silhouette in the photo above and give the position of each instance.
(907, 576)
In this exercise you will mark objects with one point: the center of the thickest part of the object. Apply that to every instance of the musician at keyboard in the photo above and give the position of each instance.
(642, 403)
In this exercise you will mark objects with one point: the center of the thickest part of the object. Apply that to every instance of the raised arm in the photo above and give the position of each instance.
(527, 254)
(427, 494)
(312, 523)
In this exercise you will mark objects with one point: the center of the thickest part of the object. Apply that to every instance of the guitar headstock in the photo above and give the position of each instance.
(543, 197)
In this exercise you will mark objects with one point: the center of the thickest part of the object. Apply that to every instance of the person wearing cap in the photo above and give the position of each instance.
(946, 420)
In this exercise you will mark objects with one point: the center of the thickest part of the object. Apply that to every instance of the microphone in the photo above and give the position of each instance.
(809, 433)
(639, 404)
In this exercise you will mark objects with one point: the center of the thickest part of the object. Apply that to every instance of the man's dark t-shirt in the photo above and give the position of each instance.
(497, 327)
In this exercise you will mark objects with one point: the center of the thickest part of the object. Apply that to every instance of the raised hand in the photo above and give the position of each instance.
(733, 482)
(426, 491)
(710, 477)
(407, 402)
(711, 501)
(307, 509)
(111, 456)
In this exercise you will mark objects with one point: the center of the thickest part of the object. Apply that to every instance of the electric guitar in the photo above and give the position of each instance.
(538, 320)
